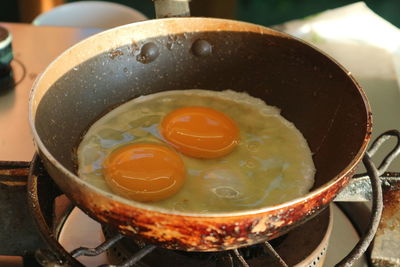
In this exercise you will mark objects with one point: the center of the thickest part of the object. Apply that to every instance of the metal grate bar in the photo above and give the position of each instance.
(272, 252)
(224, 259)
(135, 258)
(98, 250)
(377, 207)
(240, 258)
(378, 142)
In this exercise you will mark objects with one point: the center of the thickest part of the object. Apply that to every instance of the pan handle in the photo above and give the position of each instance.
(359, 188)
(171, 8)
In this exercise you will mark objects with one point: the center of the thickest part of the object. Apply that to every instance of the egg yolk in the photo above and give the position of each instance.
(200, 132)
(144, 172)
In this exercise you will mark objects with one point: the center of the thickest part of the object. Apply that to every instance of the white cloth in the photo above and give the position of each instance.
(369, 47)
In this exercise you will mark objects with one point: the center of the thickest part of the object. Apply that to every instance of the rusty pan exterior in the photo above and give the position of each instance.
(314, 92)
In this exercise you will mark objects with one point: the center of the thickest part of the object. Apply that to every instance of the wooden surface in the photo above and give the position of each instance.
(34, 48)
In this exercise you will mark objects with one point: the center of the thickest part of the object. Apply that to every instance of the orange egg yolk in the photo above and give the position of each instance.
(144, 172)
(200, 132)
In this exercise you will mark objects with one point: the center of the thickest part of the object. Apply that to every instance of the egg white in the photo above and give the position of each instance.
(272, 163)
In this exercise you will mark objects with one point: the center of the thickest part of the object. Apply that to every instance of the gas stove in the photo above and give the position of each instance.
(74, 239)
(48, 229)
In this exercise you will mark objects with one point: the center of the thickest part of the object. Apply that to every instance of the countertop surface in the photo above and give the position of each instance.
(34, 47)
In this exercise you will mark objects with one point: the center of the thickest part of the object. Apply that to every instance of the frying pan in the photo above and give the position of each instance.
(311, 89)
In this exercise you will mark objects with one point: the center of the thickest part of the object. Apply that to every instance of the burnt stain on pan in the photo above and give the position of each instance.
(115, 53)
(134, 48)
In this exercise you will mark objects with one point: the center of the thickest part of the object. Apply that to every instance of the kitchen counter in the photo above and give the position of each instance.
(35, 47)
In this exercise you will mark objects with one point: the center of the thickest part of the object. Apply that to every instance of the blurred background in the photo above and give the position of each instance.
(264, 12)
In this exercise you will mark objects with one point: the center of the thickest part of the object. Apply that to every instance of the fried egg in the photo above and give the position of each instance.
(197, 151)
